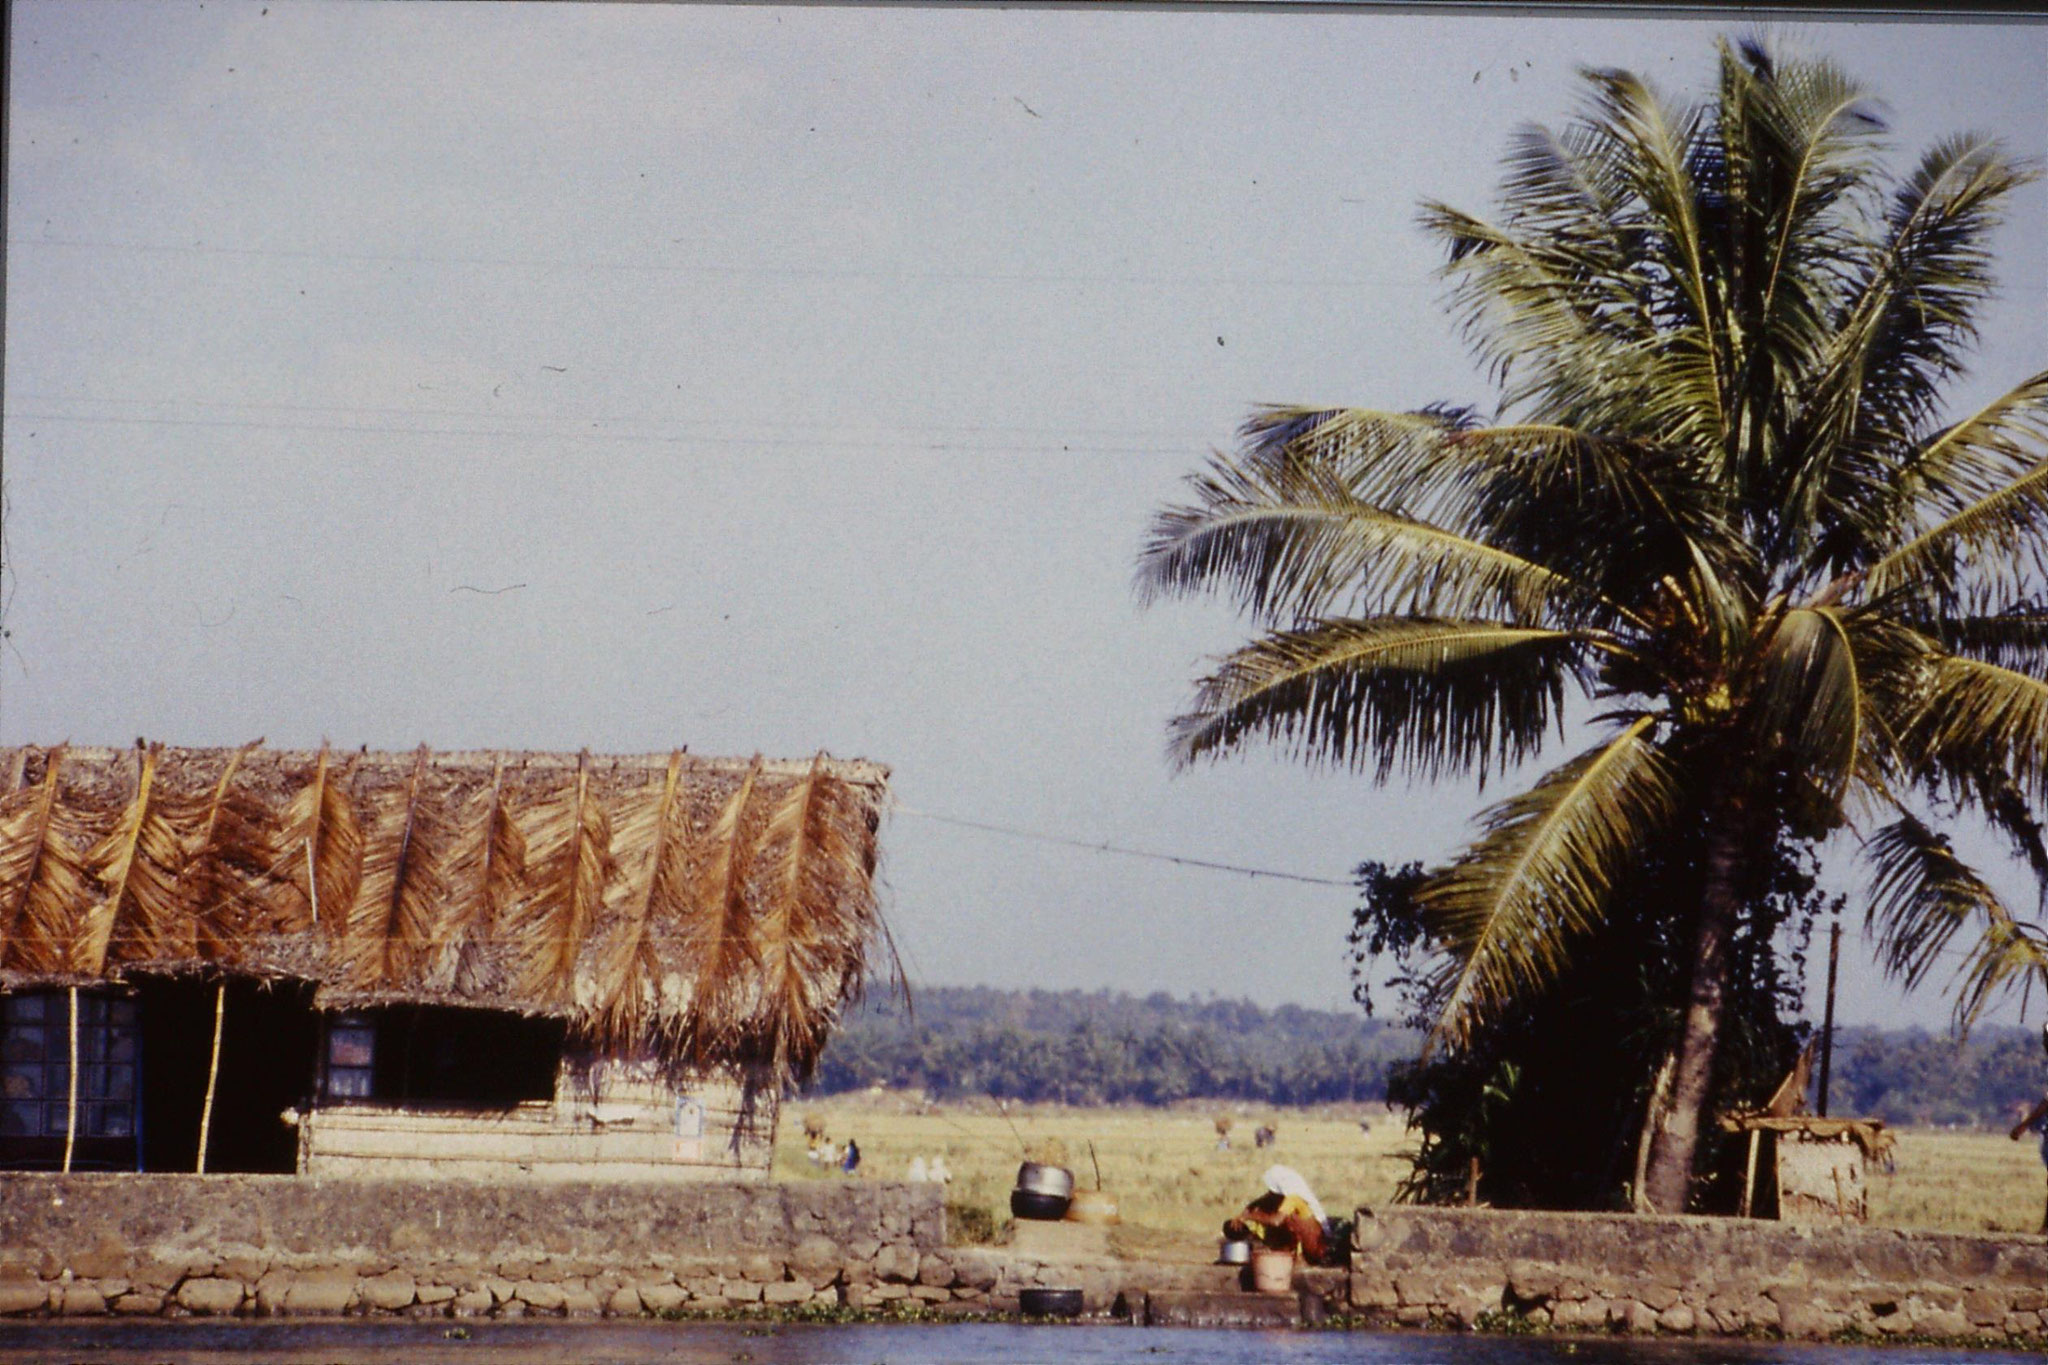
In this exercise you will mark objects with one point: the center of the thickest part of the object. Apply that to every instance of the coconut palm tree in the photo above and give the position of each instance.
(1722, 499)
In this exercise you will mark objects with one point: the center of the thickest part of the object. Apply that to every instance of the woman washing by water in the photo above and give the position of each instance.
(1287, 1217)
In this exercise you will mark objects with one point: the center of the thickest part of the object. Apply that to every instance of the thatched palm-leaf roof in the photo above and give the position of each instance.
(710, 911)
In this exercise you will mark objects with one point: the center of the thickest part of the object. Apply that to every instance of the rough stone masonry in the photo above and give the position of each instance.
(258, 1246)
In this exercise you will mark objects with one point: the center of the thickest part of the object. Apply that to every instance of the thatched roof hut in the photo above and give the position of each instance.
(709, 912)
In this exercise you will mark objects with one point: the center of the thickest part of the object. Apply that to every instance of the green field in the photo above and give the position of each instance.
(1175, 1187)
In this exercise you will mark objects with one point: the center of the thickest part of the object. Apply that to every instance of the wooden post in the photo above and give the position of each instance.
(1827, 1028)
(1472, 1185)
(1749, 1171)
(220, 1009)
(71, 1102)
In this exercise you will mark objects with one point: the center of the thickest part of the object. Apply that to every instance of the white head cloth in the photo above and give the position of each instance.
(1287, 1180)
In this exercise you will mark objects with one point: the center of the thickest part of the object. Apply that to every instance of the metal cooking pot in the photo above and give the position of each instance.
(1049, 1303)
(1234, 1252)
(1032, 1204)
(1038, 1178)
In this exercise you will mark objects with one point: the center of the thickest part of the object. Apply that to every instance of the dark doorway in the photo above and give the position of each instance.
(269, 1037)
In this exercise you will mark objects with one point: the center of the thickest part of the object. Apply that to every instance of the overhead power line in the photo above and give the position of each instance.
(1047, 447)
(720, 268)
(1095, 846)
(781, 422)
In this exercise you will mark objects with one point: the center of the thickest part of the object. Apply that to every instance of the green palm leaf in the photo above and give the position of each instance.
(1293, 544)
(1986, 477)
(1810, 698)
(1901, 334)
(1507, 910)
(1976, 717)
(1924, 897)
(2015, 639)
(1430, 696)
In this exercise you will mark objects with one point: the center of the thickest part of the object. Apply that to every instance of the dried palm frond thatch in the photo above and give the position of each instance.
(629, 969)
(138, 863)
(42, 869)
(402, 895)
(320, 848)
(571, 863)
(717, 935)
(487, 861)
(224, 885)
(820, 870)
(706, 912)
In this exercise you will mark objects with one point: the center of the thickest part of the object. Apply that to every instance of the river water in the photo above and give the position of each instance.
(488, 1343)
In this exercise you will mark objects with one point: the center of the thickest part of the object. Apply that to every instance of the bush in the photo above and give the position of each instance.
(970, 1224)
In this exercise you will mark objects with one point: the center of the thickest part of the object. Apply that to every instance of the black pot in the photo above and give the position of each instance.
(1040, 1178)
(1049, 1303)
(1032, 1204)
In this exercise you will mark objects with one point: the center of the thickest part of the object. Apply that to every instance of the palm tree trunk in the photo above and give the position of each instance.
(1676, 1129)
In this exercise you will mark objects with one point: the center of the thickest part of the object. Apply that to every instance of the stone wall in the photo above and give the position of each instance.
(261, 1245)
(1683, 1276)
(182, 1245)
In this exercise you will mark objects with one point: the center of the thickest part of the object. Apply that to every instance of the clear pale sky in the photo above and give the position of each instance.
(776, 379)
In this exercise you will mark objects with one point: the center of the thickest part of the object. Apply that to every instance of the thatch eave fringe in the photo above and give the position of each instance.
(246, 849)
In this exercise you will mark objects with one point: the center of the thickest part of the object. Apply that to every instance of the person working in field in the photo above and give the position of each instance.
(2036, 1120)
(1287, 1217)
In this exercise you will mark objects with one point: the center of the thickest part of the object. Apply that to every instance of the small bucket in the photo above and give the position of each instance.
(1272, 1271)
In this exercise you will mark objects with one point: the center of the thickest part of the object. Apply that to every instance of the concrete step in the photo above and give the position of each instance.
(1049, 1240)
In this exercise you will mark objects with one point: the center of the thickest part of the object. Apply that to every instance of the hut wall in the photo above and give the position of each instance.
(1820, 1180)
(602, 1124)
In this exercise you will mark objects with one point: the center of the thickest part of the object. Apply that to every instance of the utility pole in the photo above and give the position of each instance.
(1827, 1028)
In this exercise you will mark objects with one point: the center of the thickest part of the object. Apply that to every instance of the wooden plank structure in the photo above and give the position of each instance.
(679, 935)
(1818, 1164)
(691, 1129)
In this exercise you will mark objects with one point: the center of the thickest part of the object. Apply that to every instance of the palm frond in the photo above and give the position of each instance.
(1389, 459)
(1904, 331)
(1296, 544)
(392, 926)
(225, 887)
(719, 936)
(1658, 142)
(486, 867)
(1791, 154)
(42, 863)
(1507, 910)
(1428, 695)
(141, 916)
(2008, 952)
(1555, 294)
(816, 877)
(320, 849)
(2016, 638)
(569, 868)
(1810, 699)
(1986, 477)
(1976, 717)
(2005, 807)
(1622, 514)
(1536, 312)
(1923, 896)
(629, 1003)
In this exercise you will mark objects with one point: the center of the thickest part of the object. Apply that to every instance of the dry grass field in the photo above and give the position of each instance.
(1175, 1187)
(1961, 1181)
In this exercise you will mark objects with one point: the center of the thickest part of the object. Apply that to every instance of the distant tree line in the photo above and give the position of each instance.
(1078, 1047)
(1916, 1077)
